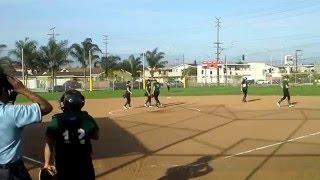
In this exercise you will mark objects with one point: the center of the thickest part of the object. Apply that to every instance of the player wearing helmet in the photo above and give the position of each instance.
(68, 135)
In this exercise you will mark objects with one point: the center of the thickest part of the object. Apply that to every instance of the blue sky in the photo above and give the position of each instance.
(259, 29)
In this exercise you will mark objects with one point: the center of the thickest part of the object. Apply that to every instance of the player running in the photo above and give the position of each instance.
(148, 93)
(286, 94)
(156, 93)
(68, 137)
(127, 95)
(244, 89)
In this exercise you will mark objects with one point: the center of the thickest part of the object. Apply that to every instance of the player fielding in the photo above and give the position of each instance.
(286, 94)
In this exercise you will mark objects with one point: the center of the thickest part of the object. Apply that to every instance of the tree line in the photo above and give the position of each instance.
(57, 54)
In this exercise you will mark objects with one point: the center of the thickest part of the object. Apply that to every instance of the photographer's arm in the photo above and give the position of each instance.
(45, 106)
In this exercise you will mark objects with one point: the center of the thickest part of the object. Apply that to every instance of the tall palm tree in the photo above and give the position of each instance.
(155, 60)
(109, 64)
(81, 53)
(29, 53)
(133, 65)
(53, 56)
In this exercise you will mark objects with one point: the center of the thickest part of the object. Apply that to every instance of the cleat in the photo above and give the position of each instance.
(291, 105)
(145, 105)
(278, 104)
(125, 107)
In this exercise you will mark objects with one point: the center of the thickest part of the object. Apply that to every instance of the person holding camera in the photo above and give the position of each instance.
(13, 119)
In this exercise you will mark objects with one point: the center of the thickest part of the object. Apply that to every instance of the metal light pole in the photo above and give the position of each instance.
(90, 71)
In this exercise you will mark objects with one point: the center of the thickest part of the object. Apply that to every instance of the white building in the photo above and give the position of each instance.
(233, 73)
(168, 72)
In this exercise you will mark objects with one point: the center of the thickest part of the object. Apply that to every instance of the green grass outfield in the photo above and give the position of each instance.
(194, 91)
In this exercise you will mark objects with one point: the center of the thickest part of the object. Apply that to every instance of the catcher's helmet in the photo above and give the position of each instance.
(72, 100)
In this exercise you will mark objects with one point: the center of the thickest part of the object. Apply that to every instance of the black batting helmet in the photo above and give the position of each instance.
(72, 100)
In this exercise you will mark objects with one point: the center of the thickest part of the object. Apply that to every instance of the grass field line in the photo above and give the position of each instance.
(272, 145)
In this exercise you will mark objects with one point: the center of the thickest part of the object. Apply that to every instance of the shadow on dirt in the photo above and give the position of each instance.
(253, 100)
(195, 169)
(114, 141)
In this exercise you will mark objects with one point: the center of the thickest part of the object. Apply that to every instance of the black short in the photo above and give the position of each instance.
(15, 170)
(83, 170)
(286, 93)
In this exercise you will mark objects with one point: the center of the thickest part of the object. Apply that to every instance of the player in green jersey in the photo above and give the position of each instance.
(68, 137)
(156, 93)
(286, 94)
(244, 89)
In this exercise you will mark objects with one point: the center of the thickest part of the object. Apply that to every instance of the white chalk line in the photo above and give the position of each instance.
(32, 160)
(271, 145)
(193, 109)
(245, 152)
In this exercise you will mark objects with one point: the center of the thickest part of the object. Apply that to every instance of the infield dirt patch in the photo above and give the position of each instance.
(191, 136)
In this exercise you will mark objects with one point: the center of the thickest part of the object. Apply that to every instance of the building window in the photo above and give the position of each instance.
(202, 71)
(211, 72)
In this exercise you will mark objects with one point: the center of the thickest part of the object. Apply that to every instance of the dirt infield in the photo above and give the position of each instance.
(213, 137)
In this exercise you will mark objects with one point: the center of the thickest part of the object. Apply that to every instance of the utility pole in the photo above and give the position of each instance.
(226, 69)
(143, 71)
(218, 48)
(184, 68)
(105, 39)
(22, 65)
(53, 34)
(184, 72)
(90, 72)
(271, 69)
(295, 75)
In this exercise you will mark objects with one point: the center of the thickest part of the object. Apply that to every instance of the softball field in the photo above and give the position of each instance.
(203, 137)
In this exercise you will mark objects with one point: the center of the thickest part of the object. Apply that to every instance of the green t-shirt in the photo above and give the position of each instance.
(157, 87)
(244, 85)
(285, 85)
(72, 133)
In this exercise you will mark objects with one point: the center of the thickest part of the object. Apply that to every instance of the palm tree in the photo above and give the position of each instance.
(81, 53)
(29, 53)
(154, 59)
(5, 62)
(2, 46)
(109, 64)
(133, 65)
(53, 56)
